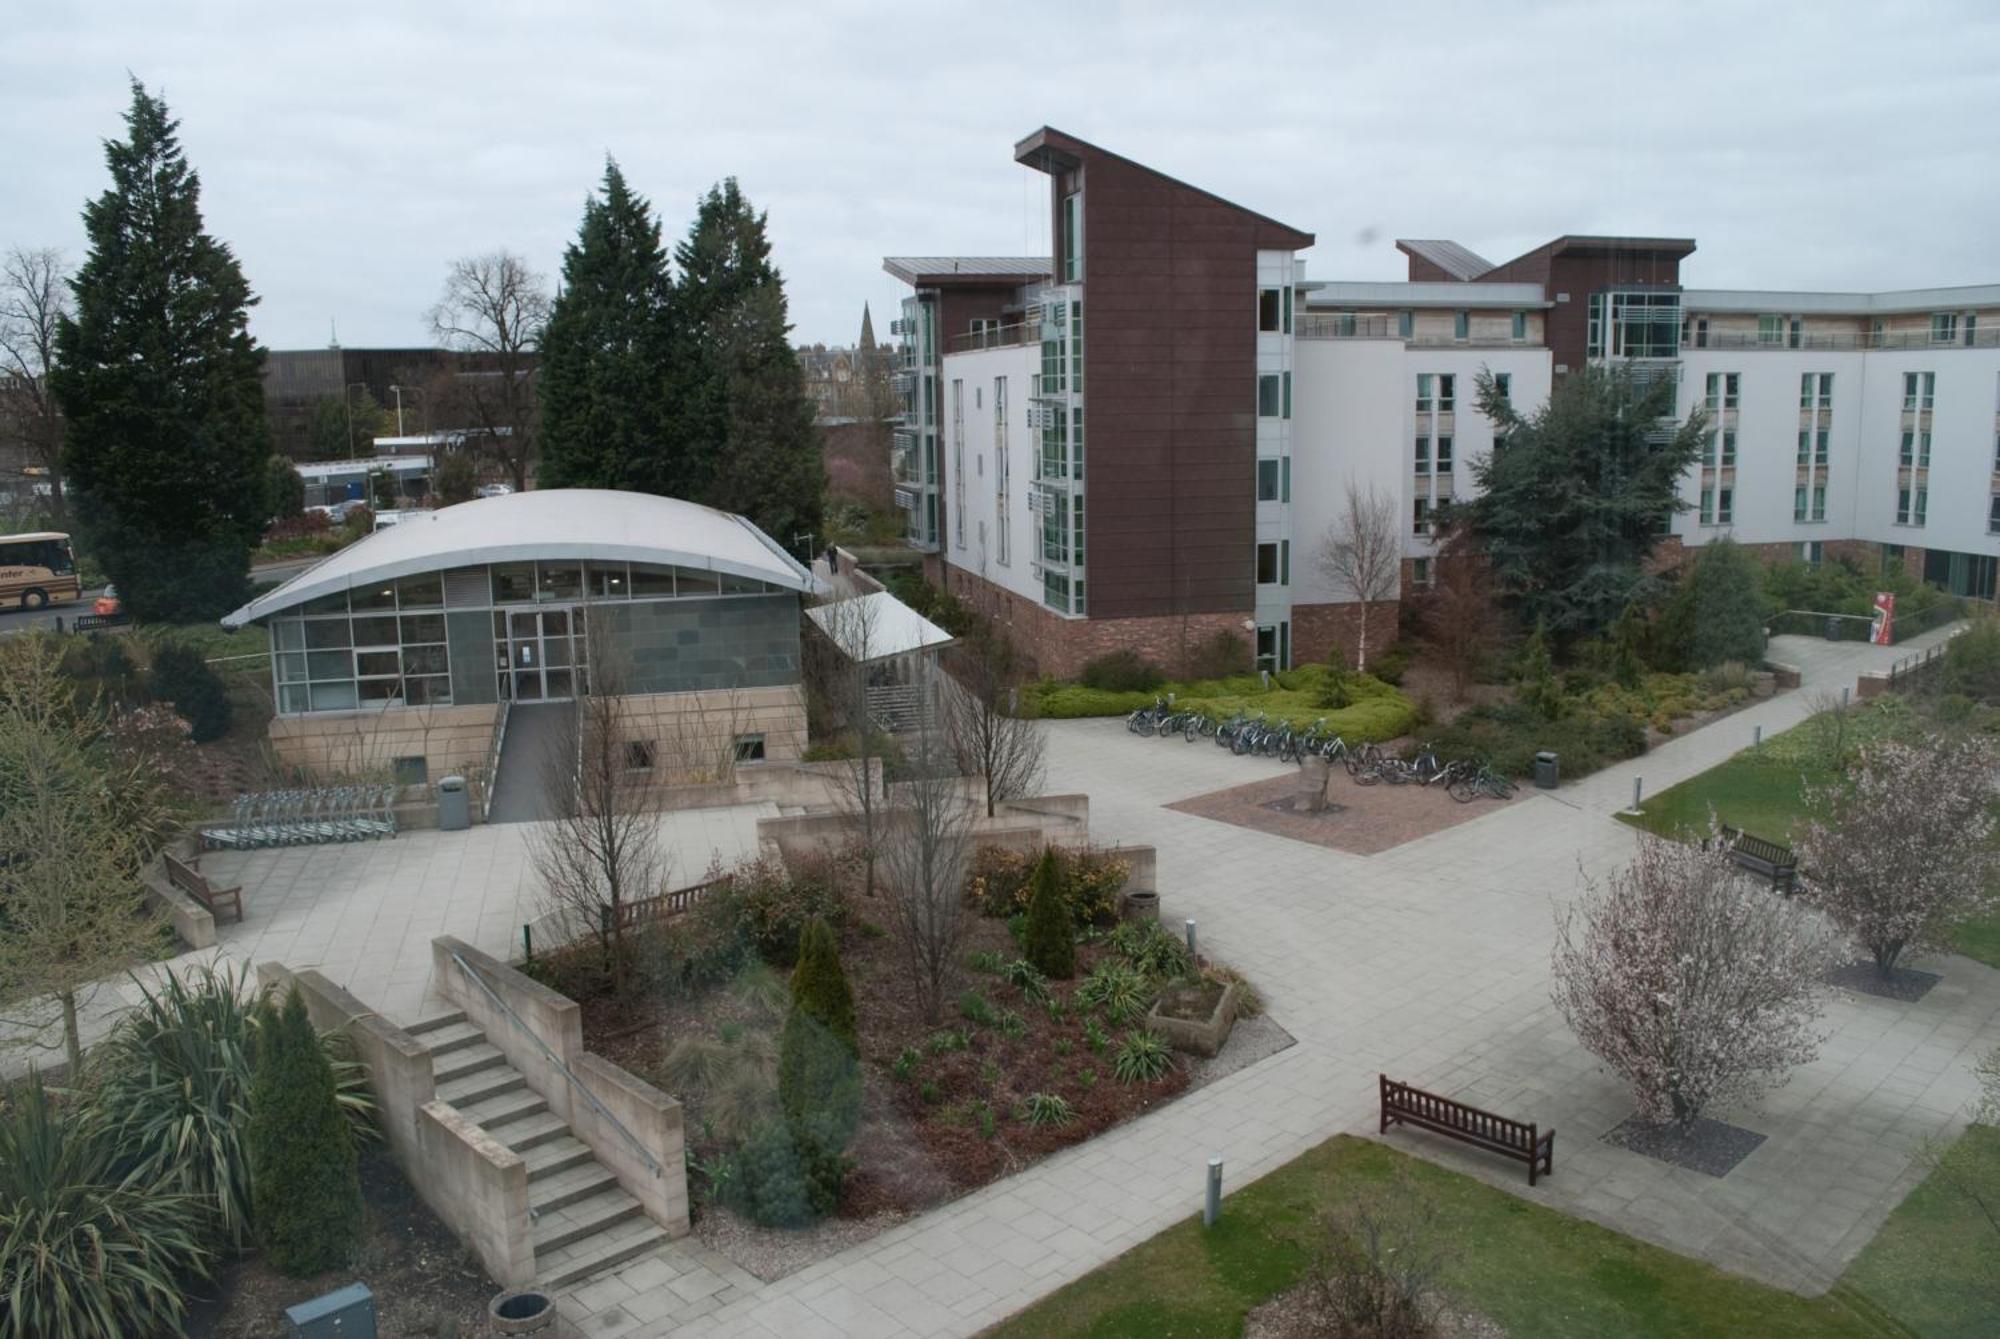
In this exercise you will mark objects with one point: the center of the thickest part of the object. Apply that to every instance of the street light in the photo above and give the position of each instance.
(347, 403)
(397, 391)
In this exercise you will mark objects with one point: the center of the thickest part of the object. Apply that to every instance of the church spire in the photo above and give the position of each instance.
(867, 330)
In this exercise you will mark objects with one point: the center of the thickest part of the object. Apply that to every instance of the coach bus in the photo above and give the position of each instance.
(37, 570)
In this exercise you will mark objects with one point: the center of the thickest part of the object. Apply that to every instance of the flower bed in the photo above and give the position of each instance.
(1360, 708)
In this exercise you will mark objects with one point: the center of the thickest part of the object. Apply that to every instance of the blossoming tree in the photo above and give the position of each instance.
(1690, 984)
(1900, 850)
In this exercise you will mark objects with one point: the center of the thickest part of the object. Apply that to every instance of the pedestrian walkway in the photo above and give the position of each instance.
(1430, 962)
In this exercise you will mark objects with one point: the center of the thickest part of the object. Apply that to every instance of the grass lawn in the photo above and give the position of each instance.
(1536, 1272)
(1935, 1265)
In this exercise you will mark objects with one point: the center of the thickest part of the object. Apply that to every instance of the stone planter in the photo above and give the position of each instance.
(1141, 904)
(1203, 1036)
(522, 1312)
(1763, 683)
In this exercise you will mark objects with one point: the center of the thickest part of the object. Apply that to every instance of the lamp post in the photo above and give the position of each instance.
(347, 403)
(397, 391)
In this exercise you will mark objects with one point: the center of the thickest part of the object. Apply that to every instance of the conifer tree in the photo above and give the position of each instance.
(305, 1193)
(743, 420)
(819, 1077)
(162, 386)
(1050, 938)
(605, 354)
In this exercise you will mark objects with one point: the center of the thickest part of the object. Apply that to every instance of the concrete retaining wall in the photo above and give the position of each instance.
(552, 1018)
(194, 924)
(479, 1186)
(654, 1120)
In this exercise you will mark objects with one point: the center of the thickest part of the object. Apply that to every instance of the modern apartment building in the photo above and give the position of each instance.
(1231, 400)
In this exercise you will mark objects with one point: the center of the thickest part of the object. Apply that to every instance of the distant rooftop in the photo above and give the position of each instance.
(1322, 295)
(1457, 261)
(915, 270)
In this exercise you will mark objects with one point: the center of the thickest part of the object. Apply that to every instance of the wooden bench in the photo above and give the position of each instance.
(1764, 858)
(1404, 1105)
(190, 880)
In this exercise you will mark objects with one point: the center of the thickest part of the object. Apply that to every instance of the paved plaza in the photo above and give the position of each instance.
(1429, 961)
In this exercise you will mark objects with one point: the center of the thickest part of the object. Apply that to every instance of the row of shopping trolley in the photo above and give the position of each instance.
(306, 817)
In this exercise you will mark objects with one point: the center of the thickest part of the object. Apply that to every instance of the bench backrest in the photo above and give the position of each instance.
(1403, 1100)
(182, 873)
(1757, 848)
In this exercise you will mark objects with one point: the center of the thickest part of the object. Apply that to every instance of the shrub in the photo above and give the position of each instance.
(1050, 942)
(819, 1076)
(1391, 665)
(176, 1077)
(1118, 991)
(1044, 1109)
(774, 905)
(986, 960)
(182, 677)
(306, 1189)
(85, 1248)
(1151, 950)
(1023, 976)
(1142, 1057)
(1972, 661)
(1002, 882)
(1377, 1262)
(1094, 1036)
(1509, 735)
(1122, 672)
(1535, 679)
(783, 1180)
(973, 1008)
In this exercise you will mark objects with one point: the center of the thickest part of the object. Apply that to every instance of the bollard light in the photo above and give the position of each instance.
(1190, 936)
(1212, 1210)
(1756, 736)
(1638, 789)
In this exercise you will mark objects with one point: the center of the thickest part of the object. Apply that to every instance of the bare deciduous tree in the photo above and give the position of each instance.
(1899, 850)
(34, 298)
(1361, 553)
(926, 842)
(1378, 1261)
(837, 673)
(990, 733)
(1687, 982)
(494, 307)
(1460, 615)
(599, 849)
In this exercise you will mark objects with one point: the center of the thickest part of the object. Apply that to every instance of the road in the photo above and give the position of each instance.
(16, 619)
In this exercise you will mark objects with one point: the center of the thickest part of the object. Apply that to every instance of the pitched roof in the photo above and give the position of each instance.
(1457, 261)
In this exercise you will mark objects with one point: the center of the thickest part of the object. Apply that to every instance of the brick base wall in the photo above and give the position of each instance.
(1062, 646)
(1320, 630)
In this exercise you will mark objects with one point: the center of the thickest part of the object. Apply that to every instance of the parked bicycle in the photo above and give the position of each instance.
(1481, 780)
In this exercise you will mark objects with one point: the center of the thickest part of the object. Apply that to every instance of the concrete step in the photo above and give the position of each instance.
(479, 1087)
(458, 1064)
(536, 1131)
(570, 1187)
(585, 1218)
(614, 1246)
(451, 1019)
(554, 1155)
(496, 1113)
(453, 1037)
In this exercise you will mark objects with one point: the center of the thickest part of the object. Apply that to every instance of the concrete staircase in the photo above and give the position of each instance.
(584, 1222)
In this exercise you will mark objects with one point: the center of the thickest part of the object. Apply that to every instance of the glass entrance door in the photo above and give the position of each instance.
(537, 653)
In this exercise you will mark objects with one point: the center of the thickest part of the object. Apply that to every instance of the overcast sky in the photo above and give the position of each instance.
(348, 152)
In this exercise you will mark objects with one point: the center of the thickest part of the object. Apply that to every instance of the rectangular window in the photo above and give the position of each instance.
(1423, 455)
(1725, 505)
(1708, 506)
(1701, 332)
(1902, 506)
(640, 754)
(1267, 564)
(1267, 481)
(958, 462)
(1503, 386)
(1425, 381)
(1420, 517)
(1055, 527)
(1919, 391)
(1461, 325)
(1924, 450)
(1797, 329)
(1799, 503)
(1076, 442)
(1728, 447)
(1520, 327)
(1288, 395)
(1819, 446)
(414, 770)
(1447, 386)
(1270, 395)
(1944, 327)
(1286, 489)
(1993, 516)
(1923, 504)
(1072, 238)
(1270, 311)
(750, 748)
(1444, 455)
(1285, 561)
(1708, 448)
(1002, 475)
(1420, 571)
(1723, 388)
(1770, 329)
(1819, 502)
(1809, 552)
(1406, 324)
(1288, 310)
(1805, 446)
(1971, 329)
(1907, 457)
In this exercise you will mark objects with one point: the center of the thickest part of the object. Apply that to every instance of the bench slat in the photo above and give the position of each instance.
(1522, 1141)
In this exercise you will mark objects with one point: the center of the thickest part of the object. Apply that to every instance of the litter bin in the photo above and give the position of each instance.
(454, 806)
(1545, 770)
(1833, 629)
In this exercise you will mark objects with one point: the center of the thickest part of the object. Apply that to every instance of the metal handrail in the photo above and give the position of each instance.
(651, 1162)
(493, 759)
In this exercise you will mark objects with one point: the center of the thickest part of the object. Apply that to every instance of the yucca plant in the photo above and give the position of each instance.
(1142, 1057)
(1122, 992)
(174, 1088)
(86, 1248)
(1025, 977)
(1048, 1109)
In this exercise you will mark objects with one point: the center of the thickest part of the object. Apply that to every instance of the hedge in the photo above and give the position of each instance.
(1376, 711)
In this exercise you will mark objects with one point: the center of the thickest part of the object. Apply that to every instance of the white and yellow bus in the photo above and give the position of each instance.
(37, 570)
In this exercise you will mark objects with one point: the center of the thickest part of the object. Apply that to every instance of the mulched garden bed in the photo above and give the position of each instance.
(1906, 984)
(425, 1283)
(955, 1118)
(1361, 820)
(1710, 1147)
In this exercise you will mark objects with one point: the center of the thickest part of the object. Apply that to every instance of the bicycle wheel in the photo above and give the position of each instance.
(1500, 787)
(1462, 789)
(1367, 774)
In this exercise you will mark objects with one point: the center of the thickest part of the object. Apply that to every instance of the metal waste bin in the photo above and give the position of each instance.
(346, 1314)
(1833, 629)
(1545, 770)
(454, 806)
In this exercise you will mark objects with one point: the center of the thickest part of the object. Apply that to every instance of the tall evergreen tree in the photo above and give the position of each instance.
(305, 1191)
(605, 355)
(743, 420)
(162, 386)
(1573, 502)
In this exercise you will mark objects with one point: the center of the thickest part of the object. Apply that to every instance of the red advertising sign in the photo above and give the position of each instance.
(1885, 617)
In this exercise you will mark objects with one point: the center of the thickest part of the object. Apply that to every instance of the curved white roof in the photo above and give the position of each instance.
(587, 523)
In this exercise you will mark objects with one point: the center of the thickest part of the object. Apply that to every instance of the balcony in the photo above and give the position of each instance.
(1854, 342)
(997, 337)
(1320, 325)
